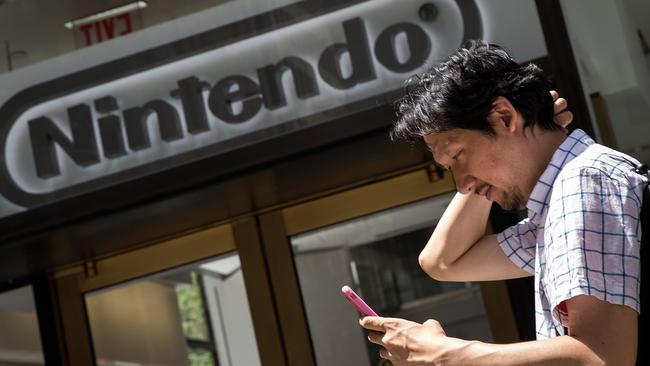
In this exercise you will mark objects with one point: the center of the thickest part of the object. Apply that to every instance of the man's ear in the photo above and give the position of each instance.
(504, 115)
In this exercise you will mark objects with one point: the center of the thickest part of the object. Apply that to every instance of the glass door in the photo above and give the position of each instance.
(369, 238)
(193, 315)
(184, 301)
(377, 256)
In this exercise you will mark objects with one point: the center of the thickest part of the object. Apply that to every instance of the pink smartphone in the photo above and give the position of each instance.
(357, 302)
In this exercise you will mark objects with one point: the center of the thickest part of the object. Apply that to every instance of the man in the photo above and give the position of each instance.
(489, 121)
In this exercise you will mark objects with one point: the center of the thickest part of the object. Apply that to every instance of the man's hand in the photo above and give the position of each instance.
(409, 343)
(561, 115)
(600, 333)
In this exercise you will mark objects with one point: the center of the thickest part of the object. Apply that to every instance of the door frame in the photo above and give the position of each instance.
(71, 284)
(278, 226)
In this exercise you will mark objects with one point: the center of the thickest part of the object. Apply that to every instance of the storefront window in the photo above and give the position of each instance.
(377, 256)
(20, 340)
(611, 42)
(196, 316)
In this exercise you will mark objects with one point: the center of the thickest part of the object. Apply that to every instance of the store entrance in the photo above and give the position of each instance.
(265, 289)
(197, 299)
(369, 238)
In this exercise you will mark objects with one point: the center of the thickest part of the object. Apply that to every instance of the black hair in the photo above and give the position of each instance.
(459, 92)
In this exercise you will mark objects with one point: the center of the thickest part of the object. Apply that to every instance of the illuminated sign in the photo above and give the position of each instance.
(234, 99)
(157, 110)
(106, 24)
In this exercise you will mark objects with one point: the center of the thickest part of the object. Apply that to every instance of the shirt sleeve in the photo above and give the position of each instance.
(518, 244)
(592, 241)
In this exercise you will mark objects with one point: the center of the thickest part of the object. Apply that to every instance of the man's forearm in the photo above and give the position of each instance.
(559, 351)
(462, 224)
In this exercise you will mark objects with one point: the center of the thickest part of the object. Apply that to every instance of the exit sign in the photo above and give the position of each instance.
(105, 29)
(106, 25)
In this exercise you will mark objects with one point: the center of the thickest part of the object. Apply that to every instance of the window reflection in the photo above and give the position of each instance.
(377, 256)
(196, 315)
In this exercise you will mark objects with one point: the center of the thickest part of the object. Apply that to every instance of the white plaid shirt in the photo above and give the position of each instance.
(582, 234)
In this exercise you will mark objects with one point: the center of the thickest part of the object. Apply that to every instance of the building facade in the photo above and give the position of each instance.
(192, 183)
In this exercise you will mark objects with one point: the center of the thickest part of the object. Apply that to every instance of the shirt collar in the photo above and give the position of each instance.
(577, 142)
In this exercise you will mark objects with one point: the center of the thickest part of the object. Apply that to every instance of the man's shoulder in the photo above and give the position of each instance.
(600, 179)
(600, 162)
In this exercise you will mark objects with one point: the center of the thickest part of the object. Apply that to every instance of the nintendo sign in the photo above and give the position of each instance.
(59, 140)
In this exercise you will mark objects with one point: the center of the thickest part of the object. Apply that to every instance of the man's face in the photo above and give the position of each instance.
(483, 164)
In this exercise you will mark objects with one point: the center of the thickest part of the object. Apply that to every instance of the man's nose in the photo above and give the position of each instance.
(465, 183)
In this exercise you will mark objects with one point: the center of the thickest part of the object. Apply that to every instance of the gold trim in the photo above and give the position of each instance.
(498, 307)
(364, 200)
(260, 294)
(68, 271)
(73, 322)
(286, 287)
(172, 253)
(499, 311)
